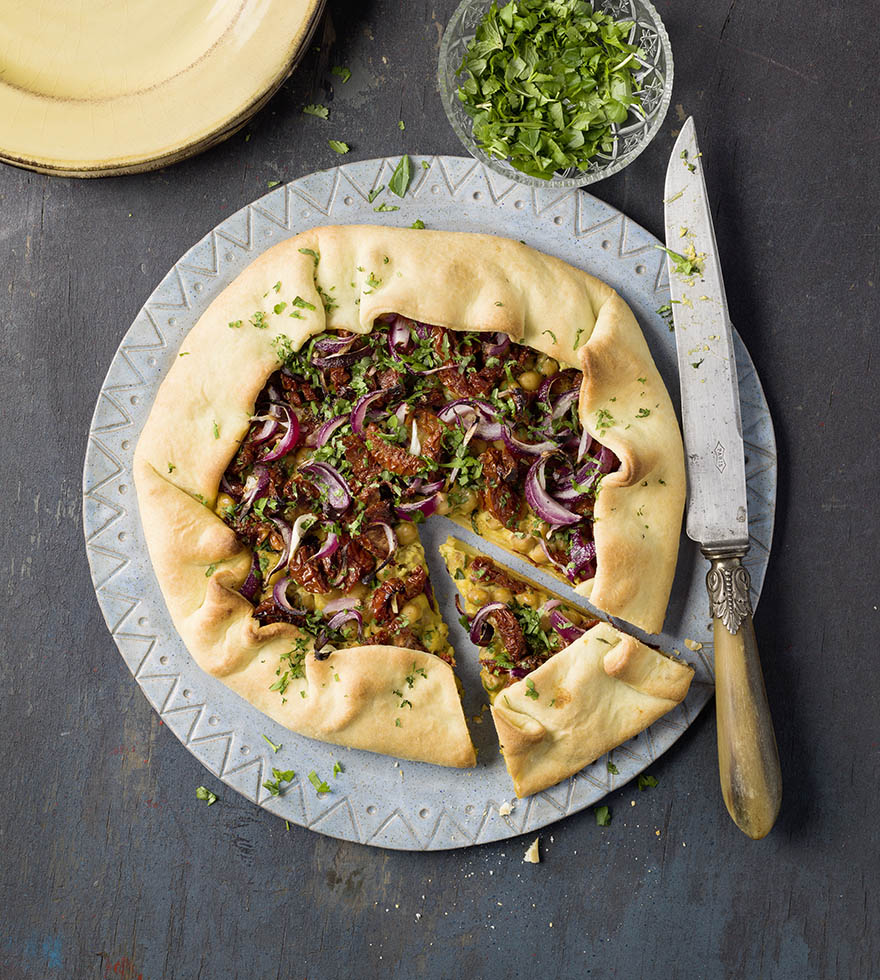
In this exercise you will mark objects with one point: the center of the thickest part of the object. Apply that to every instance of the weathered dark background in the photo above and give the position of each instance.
(109, 865)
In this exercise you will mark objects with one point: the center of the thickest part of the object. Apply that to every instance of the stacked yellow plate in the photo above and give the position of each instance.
(94, 87)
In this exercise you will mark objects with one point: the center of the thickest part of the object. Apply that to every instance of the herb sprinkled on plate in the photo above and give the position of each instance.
(203, 793)
(338, 146)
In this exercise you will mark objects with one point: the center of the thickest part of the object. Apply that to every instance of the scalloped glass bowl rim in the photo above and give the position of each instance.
(502, 167)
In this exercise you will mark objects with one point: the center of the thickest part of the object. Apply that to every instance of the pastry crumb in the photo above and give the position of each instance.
(693, 644)
(532, 856)
(506, 808)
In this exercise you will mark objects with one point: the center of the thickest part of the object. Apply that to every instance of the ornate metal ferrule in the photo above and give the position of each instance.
(728, 583)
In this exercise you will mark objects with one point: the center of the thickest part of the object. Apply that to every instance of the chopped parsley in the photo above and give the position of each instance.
(337, 769)
(387, 207)
(646, 781)
(279, 308)
(235, 324)
(318, 783)
(310, 251)
(531, 692)
(643, 413)
(418, 223)
(321, 111)
(603, 816)
(216, 431)
(684, 265)
(609, 765)
(203, 793)
(302, 304)
(280, 776)
(342, 72)
(337, 146)
(402, 176)
(259, 320)
(550, 332)
(273, 183)
(171, 467)
(209, 571)
(375, 192)
(275, 747)
(401, 125)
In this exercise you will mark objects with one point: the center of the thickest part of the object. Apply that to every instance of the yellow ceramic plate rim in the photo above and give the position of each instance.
(291, 26)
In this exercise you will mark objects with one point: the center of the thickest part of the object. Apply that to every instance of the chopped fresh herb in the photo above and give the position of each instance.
(279, 307)
(373, 282)
(184, 353)
(418, 223)
(696, 364)
(275, 747)
(272, 183)
(685, 265)
(545, 81)
(577, 337)
(402, 176)
(321, 111)
(337, 769)
(314, 255)
(216, 431)
(531, 692)
(338, 146)
(641, 381)
(171, 467)
(387, 207)
(318, 783)
(280, 776)
(375, 192)
(259, 320)
(646, 781)
(459, 574)
(277, 286)
(342, 72)
(609, 765)
(302, 304)
(643, 413)
(603, 816)
(604, 419)
(203, 793)
(397, 723)
(209, 571)
(425, 165)
(499, 303)
(550, 332)
(401, 125)
(235, 324)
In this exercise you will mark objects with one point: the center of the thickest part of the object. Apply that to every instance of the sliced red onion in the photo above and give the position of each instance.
(415, 446)
(319, 436)
(390, 538)
(330, 547)
(279, 595)
(255, 484)
(287, 442)
(426, 506)
(337, 605)
(607, 460)
(270, 424)
(400, 412)
(286, 532)
(347, 615)
(478, 623)
(300, 526)
(584, 445)
(359, 412)
(345, 359)
(568, 631)
(419, 486)
(398, 336)
(527, 448)
(583, 553)
(252, 582)
(334, 345)
(560, 565)
(338, 491)
(541, 502)
(466, 410)
(502, 342)
(225, 485)
(549, 604)
(564, 403)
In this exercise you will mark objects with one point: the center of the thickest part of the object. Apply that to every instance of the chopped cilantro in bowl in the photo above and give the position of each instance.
(556, 93)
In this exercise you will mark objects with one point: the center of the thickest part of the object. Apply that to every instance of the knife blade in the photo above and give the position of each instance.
(717, 508)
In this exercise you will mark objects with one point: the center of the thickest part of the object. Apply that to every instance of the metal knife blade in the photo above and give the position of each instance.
(717, 512)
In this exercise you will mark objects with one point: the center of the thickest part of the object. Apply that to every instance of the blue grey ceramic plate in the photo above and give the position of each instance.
(378, 800)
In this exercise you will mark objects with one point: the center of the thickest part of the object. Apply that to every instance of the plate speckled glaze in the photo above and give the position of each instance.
(147, 83)
(378, 800)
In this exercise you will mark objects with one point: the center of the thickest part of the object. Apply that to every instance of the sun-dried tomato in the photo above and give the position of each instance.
(382, 603)
(307, 573)
(397, 634)
(485, 570)
(510, 633)
(389, 457)
(499, 494)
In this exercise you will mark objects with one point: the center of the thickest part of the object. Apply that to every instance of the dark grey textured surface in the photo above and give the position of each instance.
(109, 865)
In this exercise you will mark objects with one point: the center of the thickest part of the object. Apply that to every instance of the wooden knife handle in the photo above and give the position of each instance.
(748, 760)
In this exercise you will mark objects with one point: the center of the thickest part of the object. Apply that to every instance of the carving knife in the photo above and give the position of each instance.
(717, 511)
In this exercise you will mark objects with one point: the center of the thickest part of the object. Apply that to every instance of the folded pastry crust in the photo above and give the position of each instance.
(461, 281)
(601, 690)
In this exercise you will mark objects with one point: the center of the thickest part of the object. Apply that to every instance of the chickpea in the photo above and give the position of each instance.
(442, 504)
(548, 366)
(530, 380)
(528, 598)
(537, 555)
(224, 502)
(520, 545)
(498, 444)
(358, 591)
(479, 445)
(500, 594)
(412, 611)
(406, 533)
(467, 501)
(490, 522)
(478, 595)
(277, 576)
(306, 601)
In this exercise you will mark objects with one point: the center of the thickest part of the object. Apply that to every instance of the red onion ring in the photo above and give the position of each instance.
(287, 442)
(479, 621)
(541, 502)
(252, 582)
(330, 547)
(359, 412)
(338, 491)
(426, 506)
(279, 595)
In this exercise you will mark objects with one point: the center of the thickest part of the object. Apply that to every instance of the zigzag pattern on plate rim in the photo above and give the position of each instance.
(173, 295)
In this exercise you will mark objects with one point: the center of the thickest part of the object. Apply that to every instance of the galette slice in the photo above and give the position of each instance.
(564, 687)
